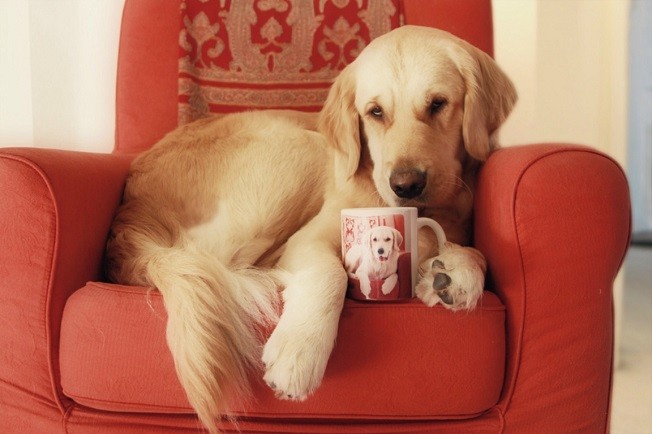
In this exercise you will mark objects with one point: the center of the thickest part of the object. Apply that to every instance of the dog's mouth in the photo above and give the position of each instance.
(383, 258)
(419, 203)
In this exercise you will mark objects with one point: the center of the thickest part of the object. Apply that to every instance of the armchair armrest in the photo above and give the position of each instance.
(55, 211)
(554, 224)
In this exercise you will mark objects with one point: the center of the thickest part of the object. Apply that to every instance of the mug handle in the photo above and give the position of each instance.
(436, 227)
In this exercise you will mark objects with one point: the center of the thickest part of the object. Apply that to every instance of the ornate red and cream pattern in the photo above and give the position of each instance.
(258, 54)
(354, 227)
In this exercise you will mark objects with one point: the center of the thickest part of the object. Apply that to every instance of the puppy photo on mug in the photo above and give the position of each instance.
(375, 256)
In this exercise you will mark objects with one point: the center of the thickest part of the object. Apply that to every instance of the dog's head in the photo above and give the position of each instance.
(383, 241)
(420, 103)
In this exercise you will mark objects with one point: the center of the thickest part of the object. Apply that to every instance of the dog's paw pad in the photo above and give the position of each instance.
(441, 281)
(436, 263)
(280, 394)
(455, 279)
(277, 392)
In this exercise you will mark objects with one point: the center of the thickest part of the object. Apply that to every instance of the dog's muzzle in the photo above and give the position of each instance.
(408, 184)
(381, 255)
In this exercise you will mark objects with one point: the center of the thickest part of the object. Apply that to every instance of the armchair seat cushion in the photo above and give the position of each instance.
(113, 357)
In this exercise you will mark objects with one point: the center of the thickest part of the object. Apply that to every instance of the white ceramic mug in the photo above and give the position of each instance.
(379, 251)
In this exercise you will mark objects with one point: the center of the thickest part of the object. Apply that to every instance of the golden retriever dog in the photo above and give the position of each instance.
(236, 219)
(376, 258)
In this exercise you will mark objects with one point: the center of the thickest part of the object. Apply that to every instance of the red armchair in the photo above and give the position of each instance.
(81, 355)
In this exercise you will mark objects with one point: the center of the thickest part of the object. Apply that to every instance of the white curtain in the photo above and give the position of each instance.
(58, 62)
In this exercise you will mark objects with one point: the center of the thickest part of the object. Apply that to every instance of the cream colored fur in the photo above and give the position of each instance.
(224, 212)
(376, 257)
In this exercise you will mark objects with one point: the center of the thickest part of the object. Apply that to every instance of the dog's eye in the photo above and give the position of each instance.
(376, 112)
(374, 239)
(436, 105)
(388, 240)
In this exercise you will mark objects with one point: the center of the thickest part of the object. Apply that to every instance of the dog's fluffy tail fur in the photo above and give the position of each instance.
(215, 314)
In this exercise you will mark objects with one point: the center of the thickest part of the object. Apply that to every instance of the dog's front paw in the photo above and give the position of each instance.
(295, 361)
(365, 287)
(389, 284)
(455, 278)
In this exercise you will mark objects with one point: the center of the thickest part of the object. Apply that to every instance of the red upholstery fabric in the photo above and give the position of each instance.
(146, 108)
(539, 208)
(554, 245)
(470, 20)
(149, 47)
(553, 221)
(55, 211)
(378, 343)
(242, 56)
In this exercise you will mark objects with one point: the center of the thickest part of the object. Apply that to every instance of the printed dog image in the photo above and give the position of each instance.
(232, 217)
(376, 258)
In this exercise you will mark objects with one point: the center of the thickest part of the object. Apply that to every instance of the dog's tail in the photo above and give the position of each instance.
(214, 313)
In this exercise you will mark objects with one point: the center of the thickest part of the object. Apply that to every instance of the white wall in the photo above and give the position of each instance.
(568, 60)
(15, 75)
(566, 57)
(58, 69)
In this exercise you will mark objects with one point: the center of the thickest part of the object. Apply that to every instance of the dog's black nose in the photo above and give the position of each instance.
(381, 251)
(408, 183)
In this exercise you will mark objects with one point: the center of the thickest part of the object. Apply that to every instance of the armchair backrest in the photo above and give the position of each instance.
(170, 50)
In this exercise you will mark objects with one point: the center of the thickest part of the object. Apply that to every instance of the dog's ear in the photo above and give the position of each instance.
(489, 98)
(398, 240)
(339, 121)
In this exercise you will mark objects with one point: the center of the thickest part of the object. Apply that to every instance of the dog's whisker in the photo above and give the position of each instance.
(458, 182)
(379, 199)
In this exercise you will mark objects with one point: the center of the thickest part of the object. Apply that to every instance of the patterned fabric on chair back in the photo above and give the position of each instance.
(238, 55)
(182, 60)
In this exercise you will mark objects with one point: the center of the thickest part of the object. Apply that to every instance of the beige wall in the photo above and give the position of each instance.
(566, 57)
(568, 60)
(15, 75)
